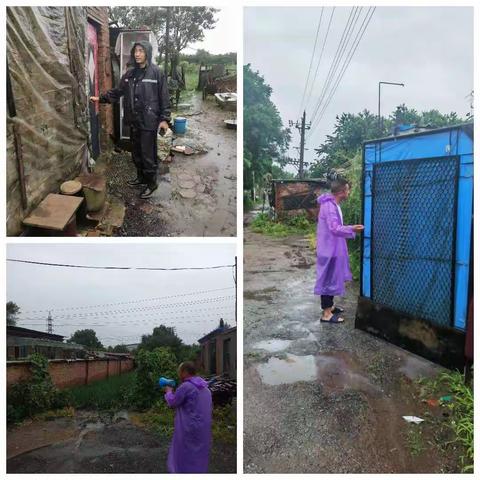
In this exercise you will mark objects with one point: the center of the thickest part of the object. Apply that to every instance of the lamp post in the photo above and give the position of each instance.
(380, 122)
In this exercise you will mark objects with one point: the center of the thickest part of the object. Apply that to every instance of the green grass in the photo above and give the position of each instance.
(461, 409)
(298, 225)
(415, 440)
(104, 394)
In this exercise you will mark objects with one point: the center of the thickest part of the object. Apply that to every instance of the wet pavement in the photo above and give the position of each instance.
(92, 442)
(319, 397)
(197, 193)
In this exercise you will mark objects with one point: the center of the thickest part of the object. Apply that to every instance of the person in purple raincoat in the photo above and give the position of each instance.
(192, 436)
(333, 268)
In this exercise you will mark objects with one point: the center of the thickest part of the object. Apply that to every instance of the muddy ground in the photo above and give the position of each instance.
(325, 398)
(90, 442)
(197, 195)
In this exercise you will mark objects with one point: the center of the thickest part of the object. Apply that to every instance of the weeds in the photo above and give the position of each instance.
(299, 225)
(108, 394)
(414, 440)
(461, 409)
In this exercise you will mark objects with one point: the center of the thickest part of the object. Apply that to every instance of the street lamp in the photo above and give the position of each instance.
(380, 122)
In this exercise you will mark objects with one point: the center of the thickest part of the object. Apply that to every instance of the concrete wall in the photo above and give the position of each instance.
(70, 373)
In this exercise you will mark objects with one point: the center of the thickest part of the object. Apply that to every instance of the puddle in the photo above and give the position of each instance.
(338, 372)
(274, 345)
(414, 367)
(290, 370)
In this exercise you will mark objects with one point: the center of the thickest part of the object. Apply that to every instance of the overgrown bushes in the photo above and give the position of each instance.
(35, 395)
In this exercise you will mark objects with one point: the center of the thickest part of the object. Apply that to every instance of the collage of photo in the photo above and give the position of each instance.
(302, 173)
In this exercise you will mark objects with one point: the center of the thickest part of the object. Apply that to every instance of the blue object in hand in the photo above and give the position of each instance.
(166, 382)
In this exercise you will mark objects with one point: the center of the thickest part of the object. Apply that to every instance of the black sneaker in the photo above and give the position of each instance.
(136, 182)
(148, 192)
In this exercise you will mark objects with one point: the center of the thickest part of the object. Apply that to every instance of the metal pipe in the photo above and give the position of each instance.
(380, 120)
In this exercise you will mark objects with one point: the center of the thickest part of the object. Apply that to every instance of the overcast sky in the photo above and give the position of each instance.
(222, 39)
(429, 49)
(37, 289)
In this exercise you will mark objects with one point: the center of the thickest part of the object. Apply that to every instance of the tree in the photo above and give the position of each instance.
(264, 138)
(187, 24)
(87, 338)
(162, 336)
(12, 313)
(120, 349)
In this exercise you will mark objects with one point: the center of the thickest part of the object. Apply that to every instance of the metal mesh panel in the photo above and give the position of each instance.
(413, 236)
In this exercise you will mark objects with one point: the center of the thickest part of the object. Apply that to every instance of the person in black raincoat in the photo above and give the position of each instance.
(146, 109)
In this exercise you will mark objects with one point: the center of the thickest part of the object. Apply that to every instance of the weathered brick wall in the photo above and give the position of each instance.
(71, 373)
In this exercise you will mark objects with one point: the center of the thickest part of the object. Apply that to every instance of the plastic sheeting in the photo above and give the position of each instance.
(46, 61)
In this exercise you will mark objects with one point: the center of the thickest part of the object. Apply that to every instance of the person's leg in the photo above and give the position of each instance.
(327, 307)
(135, 138)
(149, 161)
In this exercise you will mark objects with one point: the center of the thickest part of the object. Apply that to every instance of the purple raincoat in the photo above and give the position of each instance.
(333, 269)
(192, 437)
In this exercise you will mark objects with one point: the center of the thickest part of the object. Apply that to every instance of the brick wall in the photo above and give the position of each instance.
(71, 373)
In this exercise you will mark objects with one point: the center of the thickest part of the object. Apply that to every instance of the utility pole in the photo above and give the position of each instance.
(167, 40)
(49, 323)
(302, 126)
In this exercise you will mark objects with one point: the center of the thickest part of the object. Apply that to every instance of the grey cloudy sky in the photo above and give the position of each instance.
(37, 289)
(429, 49)
(222, 38)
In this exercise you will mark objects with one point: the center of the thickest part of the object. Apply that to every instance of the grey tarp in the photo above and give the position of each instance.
(46, 51)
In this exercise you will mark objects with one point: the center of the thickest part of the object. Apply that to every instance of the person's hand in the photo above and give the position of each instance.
(168, 389)
(358, 228)
(94, 99)
(163, 125)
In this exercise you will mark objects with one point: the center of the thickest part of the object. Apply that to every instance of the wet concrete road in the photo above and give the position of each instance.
(320, 398)
(197, 196)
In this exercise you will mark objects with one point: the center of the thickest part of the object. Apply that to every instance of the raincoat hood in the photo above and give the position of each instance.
(147, 46)
(325, 197)
(198, 382)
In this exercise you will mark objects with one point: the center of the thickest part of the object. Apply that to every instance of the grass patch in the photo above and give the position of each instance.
(457, 397)
(299, 225)
(415, 440)
(159, 419)
(106, 394)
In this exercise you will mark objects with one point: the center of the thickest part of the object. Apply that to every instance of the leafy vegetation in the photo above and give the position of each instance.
(109, 394)
(35, 395)
(151, 365)
(452, 384)
(264, 138)
(13, 311)
(299, 225)
(87, 338)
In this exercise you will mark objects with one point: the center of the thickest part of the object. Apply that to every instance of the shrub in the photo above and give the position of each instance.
(35, 395)
(151, 365)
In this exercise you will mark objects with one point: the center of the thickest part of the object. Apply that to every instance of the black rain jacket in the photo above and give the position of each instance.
(148, 104)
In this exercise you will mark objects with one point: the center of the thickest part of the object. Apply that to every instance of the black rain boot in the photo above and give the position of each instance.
(138, 181)
(152, 185)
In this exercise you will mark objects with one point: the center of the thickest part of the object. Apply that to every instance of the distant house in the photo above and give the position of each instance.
(23, 342)
(219, 351)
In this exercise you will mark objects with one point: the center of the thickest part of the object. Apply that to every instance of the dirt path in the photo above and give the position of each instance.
(96, 443)
(322, 398)
(197, 197)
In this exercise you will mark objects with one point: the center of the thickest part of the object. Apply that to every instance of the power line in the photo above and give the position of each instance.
(199, 292)
(116, 268)
(320, 58)
(347, 61)
(311, 62)
(344, 40)
(136, 311)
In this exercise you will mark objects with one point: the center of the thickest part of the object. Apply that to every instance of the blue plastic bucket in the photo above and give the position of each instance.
(180, 125)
